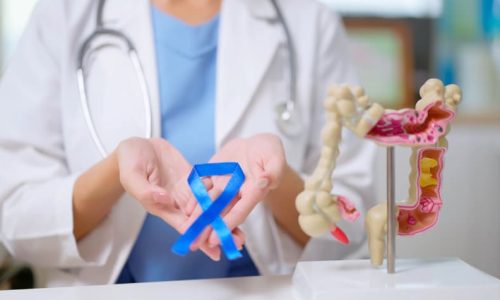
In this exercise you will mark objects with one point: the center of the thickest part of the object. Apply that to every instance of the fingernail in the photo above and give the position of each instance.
(212, 245)
(157, 196)
(263, 183)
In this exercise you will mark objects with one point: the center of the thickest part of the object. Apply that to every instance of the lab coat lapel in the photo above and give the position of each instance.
(247, 44)
(133, 17)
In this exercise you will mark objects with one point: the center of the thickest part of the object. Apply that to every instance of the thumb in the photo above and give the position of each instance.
(136, 184)
(267, 173)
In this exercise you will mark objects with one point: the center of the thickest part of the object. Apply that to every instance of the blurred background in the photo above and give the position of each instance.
(397, 46)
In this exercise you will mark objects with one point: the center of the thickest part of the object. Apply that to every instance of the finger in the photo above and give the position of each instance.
(214, 241)
(192, 201)
(174, 218)
(201, 242)
(217, 189)
(190, 207)
(160, 195)
(154, 199)
(154, 176)
(274, 169)
(266, 174)
(231, 205)
(212, 253)
(240, 211)
(136, 184)
(181, 194)
(218, 185)
(239, 238)
(181, 223)
(202, 239)
(213, 194)
(237, 234)
(190, 220)
(207, 182)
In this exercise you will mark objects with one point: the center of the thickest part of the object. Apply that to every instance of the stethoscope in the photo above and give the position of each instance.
(287, 117)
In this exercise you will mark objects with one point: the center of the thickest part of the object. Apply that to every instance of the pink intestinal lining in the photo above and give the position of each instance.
(424, 214)
(347, 209)
(410, 127)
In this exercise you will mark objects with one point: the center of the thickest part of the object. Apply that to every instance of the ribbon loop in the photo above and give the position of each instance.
(212, 210)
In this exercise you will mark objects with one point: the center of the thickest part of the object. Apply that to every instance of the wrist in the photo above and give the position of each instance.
(94, 194)
(290, 180)
(281, 202)
(114, 171)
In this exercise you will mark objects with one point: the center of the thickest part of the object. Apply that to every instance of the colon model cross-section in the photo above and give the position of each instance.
(424, 129)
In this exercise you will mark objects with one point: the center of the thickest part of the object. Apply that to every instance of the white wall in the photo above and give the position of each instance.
(469, 224)
(13, 18)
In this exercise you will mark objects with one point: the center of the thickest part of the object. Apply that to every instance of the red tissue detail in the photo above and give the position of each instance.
(430, 204)
(411, 220)
(347, 209)
(339, 235)
(412, 127)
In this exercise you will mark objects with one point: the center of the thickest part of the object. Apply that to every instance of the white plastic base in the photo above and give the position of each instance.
(414, 279)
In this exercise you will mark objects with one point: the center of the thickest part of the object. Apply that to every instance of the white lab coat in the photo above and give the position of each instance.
(45, 144)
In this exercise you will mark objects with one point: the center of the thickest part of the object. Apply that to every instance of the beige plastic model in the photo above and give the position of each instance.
(345, 107)
(349, 107)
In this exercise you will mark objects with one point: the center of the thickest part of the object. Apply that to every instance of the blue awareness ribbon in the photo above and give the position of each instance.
(212, 210)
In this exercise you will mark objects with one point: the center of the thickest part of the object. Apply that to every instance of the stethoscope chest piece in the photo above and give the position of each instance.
(288, 119)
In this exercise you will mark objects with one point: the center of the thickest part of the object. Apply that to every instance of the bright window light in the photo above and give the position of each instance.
(388, 8)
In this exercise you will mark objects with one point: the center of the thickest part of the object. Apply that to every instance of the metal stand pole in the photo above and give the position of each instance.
(391, 213)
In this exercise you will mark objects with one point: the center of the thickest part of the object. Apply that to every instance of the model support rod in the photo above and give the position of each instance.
(391, 213)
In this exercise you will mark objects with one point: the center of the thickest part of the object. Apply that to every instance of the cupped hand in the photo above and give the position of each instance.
(155, 173)
(262, 159)
(152, 171)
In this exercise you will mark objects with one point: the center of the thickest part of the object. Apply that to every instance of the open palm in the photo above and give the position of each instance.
(155, 173)
(263, 161)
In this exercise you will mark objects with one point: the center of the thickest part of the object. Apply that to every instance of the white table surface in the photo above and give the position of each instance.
(244, 288)
(415, 279)
(446, 278)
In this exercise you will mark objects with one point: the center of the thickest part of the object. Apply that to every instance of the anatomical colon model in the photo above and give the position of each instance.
(424, 129)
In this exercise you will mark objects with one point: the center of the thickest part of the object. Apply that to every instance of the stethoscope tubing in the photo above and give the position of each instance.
(290, 105)
(146, 102)
(141, 77)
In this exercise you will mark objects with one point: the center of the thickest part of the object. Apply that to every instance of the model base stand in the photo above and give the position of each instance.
(414, 279)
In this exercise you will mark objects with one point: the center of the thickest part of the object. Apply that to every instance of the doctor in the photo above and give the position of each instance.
(215, 72)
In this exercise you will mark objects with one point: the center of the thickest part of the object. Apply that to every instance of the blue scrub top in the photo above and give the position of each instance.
(186, 60)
